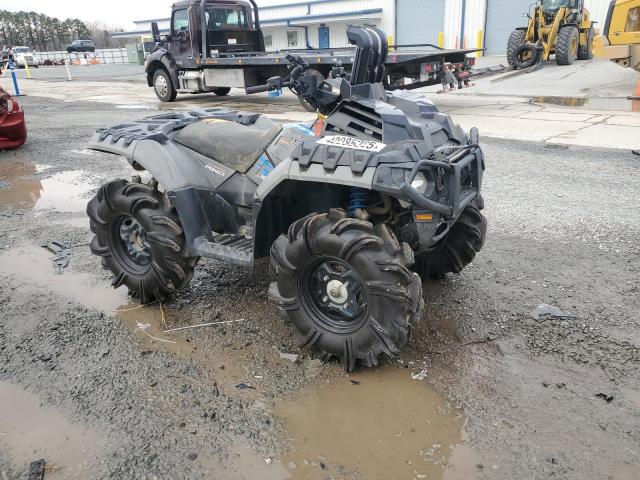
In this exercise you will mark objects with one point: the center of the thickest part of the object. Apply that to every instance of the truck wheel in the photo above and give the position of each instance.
(163, 86)
(586, 51)
(222, 91)
(567, 45)
(139, 237)
(459, 247)
(346, 287)
(515, 40)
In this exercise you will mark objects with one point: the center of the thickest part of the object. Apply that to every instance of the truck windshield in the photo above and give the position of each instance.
(227, 17)
(553, 4)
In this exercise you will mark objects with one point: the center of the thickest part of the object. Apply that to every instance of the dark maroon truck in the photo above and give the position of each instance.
(214, 45)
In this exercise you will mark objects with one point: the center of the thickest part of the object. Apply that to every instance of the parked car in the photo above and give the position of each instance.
(24, 56)
(13, 131)
(81, 46)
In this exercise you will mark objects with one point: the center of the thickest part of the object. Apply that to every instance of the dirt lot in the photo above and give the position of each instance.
(90, 382)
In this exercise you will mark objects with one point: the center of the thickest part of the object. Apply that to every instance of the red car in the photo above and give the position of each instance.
(13, 131)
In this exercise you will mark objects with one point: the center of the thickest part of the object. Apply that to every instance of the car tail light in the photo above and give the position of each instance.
(471, 61)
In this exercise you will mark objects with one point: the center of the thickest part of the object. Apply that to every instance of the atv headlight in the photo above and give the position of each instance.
(420, 183)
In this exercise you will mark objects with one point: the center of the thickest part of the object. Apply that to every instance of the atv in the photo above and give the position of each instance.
(353, 210)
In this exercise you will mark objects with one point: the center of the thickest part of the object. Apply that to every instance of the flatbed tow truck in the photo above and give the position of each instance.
(216, 45)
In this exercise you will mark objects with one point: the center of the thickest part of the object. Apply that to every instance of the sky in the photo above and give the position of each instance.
(119, 13)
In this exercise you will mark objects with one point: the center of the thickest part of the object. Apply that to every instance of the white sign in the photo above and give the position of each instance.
(351, 142)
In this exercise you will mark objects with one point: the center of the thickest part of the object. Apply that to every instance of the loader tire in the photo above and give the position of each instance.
(567, 45)
(515, 40)
(222, 91)
(586, 51)
(526, 56)
(346, 287)
(460, 246)
(140, 239)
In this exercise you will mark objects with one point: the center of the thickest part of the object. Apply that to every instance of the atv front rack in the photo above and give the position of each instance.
(453, 167)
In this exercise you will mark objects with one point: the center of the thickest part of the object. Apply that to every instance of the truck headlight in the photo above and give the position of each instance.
(420, 183)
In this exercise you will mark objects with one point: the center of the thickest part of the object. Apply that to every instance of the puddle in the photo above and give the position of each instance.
(64, 191)
(33, 264)
(242, 464)
(387, 426)
(616, 104)
(29, 432)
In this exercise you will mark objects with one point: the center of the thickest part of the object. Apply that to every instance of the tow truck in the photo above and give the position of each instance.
(216, 45)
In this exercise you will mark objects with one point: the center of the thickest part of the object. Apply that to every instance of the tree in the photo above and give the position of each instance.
(40, 32)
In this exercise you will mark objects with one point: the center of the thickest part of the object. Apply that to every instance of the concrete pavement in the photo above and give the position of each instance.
(524, 107)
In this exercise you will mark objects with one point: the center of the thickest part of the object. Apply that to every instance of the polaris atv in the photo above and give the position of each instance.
(380, 187)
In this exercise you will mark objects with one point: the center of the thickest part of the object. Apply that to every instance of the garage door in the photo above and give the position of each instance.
(419, 21)
(503, 16)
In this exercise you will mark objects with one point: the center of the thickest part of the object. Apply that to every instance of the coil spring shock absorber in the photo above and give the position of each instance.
(358, 198)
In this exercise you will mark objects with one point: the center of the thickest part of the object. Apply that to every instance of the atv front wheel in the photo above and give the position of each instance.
(139, 237)
(458, 248)
(346, 287)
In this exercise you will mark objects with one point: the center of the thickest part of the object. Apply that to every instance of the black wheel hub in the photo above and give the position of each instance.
(334, 292)
(129, 239)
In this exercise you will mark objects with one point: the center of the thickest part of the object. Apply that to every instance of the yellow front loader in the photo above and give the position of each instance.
(560, 27)
(620, 41)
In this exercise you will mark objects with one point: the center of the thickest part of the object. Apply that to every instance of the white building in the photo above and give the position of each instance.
(291, 24)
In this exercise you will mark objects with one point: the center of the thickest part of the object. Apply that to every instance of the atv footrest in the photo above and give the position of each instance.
(232, 248)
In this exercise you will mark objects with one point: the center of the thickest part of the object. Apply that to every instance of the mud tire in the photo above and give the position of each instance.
(516, 39)
(394, 293)
(460, 246)
(568, 37)
(222, 91)
(519, 64)
(170, 268)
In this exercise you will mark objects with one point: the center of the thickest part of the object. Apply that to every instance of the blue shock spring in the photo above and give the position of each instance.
(358, 198)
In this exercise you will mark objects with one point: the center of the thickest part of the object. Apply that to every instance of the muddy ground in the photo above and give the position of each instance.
(90, 382)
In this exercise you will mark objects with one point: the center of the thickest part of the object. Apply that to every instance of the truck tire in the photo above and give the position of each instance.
(460, 246)
(222, 91)
(139, 237)
(526, 56)
(346, 287)
(567, 45)
(163, 86)
(586, 51)
(515, 40)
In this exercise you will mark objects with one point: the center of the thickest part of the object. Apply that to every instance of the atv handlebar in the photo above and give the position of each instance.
(258, 89)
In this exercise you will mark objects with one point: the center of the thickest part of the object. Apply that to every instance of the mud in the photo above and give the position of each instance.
(496, 394)
(376, 424)
(30, 432)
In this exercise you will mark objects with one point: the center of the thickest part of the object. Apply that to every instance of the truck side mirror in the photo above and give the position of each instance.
(155, 32)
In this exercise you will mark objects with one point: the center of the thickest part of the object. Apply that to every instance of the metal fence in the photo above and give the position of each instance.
(105, 55)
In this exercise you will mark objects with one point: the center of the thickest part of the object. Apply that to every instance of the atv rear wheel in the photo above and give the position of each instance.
(163, 86)
(567, 45)
(515, 40)
(139, 237)
(458, 248)
(346, 287)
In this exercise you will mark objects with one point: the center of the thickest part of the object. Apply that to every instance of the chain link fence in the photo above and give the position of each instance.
(103, 56)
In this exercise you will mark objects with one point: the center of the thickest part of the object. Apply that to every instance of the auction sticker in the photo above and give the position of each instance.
(351, 142)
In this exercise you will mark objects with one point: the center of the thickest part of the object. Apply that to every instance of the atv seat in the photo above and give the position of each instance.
(232, 144)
